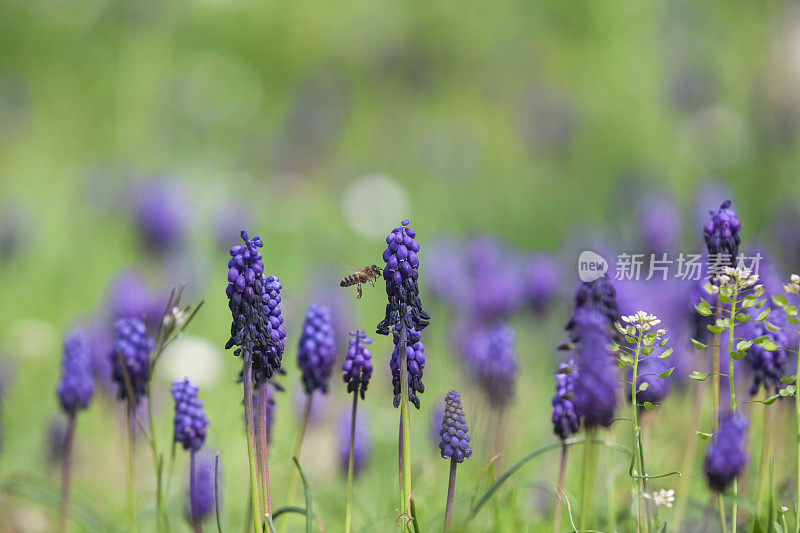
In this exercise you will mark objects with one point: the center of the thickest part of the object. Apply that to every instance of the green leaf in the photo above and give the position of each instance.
(630, 339)
(764, 314)
(792, 320)
(791, 310)
(771, 399)
(666, 353)
(770, 326)
(724, 296)
(743, 345)
(643, 386)
(702, 310)
(704, 304)
(414, 520)
(787, 391)
(666, 373)
(619, 327)
(647, 351)
(663, 341)
(742, 317)
(715, 329)
(779, 299)
(768, 344)
(698, 376)
(738, 355)
(699, 345)
(787, 380)
(704, 436)
(309, 513)
(649, 406)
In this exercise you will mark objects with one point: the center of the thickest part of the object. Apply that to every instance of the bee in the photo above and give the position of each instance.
(367, 274)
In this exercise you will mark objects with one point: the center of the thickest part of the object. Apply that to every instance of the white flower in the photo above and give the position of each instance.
(641, 320)
(662, 497)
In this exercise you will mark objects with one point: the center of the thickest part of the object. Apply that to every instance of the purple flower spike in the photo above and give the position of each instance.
(598, 295)
(596, 384)
(542, 282)
(129, 296)
(566, 420)
(454, 433)
(190, 420)
(492, 361)
(768, 367)
(726, 456)
(400, 273)
(357, 366)
(200, 502)
(659, 221)
(76, 387)
(268, 360)
(251, 328)
(316, 349)
(161, 215)
(133, 346)
(362, 442)
(721, 234)
(496, 280)
(415, 362)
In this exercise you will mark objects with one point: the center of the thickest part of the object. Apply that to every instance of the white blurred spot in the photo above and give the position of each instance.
(374, 204)
(716, 135)
(194, 358)
(33, 337)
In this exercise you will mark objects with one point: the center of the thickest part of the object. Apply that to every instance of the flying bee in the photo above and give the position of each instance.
(367, 274)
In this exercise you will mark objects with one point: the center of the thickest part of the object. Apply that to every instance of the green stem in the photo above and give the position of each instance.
(157, 464)
(636, 450)
(732, 393)
(562, 471)
(715, 369)
(762, 470)
(298, 447)
(405, 422)
(722, 521)
(588, 480)
(348, 505)
(129, 453)
(66, 472)
(251, 452)
(451, 494)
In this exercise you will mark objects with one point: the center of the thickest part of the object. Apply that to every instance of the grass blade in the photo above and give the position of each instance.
(309, 512)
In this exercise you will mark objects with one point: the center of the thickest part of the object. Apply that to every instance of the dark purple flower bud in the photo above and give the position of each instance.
(190, 420)
(721, 234)
(401, 272)
(132, 346)
(496, 280)
(415, 362)
(596, 384)
(200, 500)
(249, 302)
(768, 367)
(76, 387)
(266, 361)
(316, 349)
(357, 366)
(454, 433)
(598, 295)
(362, 441)
(161, 215)
(659, 221)
(566, 420)
(492, 361)
(726, 456)
(542, 281)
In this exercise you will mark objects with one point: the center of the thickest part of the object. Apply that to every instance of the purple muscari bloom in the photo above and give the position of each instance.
(598, 295)
(492, 361)
(316, 349)
(415, 362)
(726, 456)
(659, 221)
(768, 367)
(161, 215)
(362, 441)
(401, 272)
(265, 361)
(130, 297)
(357, 366)
(251, 328)
(98, 341)
(566, 420)
(596, 384)
(721, 234)
(542, 280)
(133, 346)
(76, 387)
(454, 434)
(190, 420)
(496, 280)
(200, 501)
(447, 273)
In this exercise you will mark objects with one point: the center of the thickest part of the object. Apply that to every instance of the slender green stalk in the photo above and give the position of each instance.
(636, 448)
(196, 526)
(157, 463)
(66, 471)
(298, 447)
(216, 493)
(129, 454)
(765, 453)
(690, 451)
(715, 369)
(451, 494)
(588, 480)
(405, 423)
(348, 505)
(722, 521)
(562, 471)
(797, 443)
(731, 373)
(266, 498)
(251, 452)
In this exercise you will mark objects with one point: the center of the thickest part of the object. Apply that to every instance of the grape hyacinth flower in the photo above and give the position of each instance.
(596, 384)
(542, 279)
(161, 215)
(415, 363)
(659, 221)
(566, 420)
(190, 420)
(495, 280)
(492, 361)
(129, 296)
(76, 387)
(357, 366)
(721, 234)
(316, 349)
(454, 445)
(657, 388)
(726, 456)
(201, 498)
(598, 295)
(768, 366)
(129, 356)
(362, 441)
(268, 360)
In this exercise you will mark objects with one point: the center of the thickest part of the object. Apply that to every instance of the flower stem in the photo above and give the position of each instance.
(251, 454)
(196, 526)
(451, 493)
(731, 384)
(66, 471)
(298, 447)
(722, 521)
(689, 454)
(129, 454)
(715, 369)
(588, 480)
(765, 453)
(562, 471)
(636, 450)
(348, 505)
(405, 422)
(161, 515)
(262, 444)
(216, 493)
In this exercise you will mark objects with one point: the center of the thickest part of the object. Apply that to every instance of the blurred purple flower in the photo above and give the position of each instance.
(657, 388)
(726, 456)
(659, 221)
(721, 233)
(362, 443)
(566, 420)
(768, 367)
(543, 277)
(75, 389)
(161, 212)
(491, 360)
(596, 385)
(316, 349)
(447, 274)
(495, 278)
(129, 296)
(200, 501)
(133, 347)
(190, 420)
(599, 296)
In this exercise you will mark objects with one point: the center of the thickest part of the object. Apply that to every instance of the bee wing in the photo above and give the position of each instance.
(348, 268)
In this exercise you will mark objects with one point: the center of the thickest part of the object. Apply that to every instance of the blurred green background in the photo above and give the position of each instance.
(323, 125)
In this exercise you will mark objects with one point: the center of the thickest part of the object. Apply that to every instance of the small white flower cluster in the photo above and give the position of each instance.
(662, 497)
(175, 318)
(641, 320)
(793, 287)
(740, 276)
